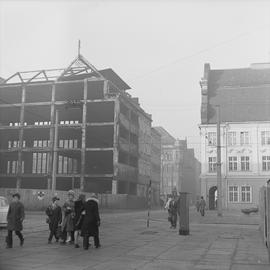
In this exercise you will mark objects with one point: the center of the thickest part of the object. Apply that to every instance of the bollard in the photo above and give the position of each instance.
(183, 212)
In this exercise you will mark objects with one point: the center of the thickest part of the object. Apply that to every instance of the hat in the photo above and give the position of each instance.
(71, 192)
(55, 198)
(94, 195)
(82, 197)
(16, 195)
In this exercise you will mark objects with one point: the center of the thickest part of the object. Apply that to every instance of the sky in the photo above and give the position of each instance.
(158, 47)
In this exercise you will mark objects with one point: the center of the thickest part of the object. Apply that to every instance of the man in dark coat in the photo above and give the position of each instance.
(54, 213)
(91, 222)
(15, 217)
(79, 216)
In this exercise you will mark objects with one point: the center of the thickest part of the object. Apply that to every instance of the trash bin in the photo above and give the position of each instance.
(183, 212)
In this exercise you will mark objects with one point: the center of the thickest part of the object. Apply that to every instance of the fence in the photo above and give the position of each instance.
(32, 200)
(265, 214)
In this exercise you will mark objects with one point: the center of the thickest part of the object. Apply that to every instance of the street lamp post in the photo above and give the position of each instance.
(219, 178)
(55, 145)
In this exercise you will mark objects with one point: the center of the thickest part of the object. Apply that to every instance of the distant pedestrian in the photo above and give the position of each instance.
(68, 218)
(15, 217)
(202, 206)
(198, 205)
(173, 205)
(91, 222)
(79, 216)
(167, 205)
(54, 213)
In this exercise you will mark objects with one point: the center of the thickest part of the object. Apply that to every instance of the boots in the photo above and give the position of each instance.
(86, 242)
(9, 242)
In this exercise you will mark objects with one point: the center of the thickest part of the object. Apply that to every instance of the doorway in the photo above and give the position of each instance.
(212, 198)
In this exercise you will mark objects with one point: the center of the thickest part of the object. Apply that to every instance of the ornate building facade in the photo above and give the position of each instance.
(243, 96)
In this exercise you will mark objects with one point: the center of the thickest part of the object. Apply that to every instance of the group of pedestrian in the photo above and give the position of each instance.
(172, 206)
(76, 218)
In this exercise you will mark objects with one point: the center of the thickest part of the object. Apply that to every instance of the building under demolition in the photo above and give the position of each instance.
(73, 128)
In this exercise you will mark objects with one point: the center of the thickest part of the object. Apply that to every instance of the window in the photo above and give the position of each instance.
(68, 144)
(212, 164)
(41, 143)
(15, 144)
(244, 163)
(244, 138)
(40, 163)
(12, 167)
(232, 163)
(212, 138)
(266, 163)
(231, 138)
(67, 165)
(246, 194)
(233, 193)
(265, 137)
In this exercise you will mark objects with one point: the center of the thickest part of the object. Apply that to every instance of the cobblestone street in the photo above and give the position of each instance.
(232, 242)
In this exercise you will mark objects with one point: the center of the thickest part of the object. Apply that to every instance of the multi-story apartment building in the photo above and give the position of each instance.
(172, 163)
(155, 163)
(73, 128)
(243, 96)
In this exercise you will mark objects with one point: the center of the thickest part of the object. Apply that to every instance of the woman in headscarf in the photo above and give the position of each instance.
(68, 220)
(91, 222)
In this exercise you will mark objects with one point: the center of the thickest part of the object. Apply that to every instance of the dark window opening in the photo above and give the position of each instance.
(37, 115)
(38, 93)
(69, 91)
(124, 110)
(10, 95)
(95, 90)
(99, 136)
(34, 183)
(134, 138)
(10, 116)
(69, 115)
(9, 139)
(100, 185)
(123, 157)
(8, 182)
(123, 132)
(99, 162)
(134, 118)
(98, 112)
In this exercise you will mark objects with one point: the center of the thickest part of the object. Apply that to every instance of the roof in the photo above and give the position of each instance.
(242, 94)
(80, 68)
(166, 137)
(110, 75)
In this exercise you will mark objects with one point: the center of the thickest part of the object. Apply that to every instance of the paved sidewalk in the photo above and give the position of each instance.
(232, 242)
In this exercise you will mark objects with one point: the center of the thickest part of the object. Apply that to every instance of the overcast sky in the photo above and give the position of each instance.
(158, 47)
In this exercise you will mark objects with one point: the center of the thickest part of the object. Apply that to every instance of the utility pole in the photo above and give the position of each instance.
(55, 145)
(149, 202)
(219, 178)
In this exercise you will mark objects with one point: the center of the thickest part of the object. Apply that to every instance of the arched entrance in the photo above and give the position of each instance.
(212, 198)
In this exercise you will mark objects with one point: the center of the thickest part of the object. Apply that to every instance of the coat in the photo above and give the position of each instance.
(91, 220)
(202, 204)
(173, 206)
(15, 216)
(69, 214)
(79, 216)
(55, 217)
